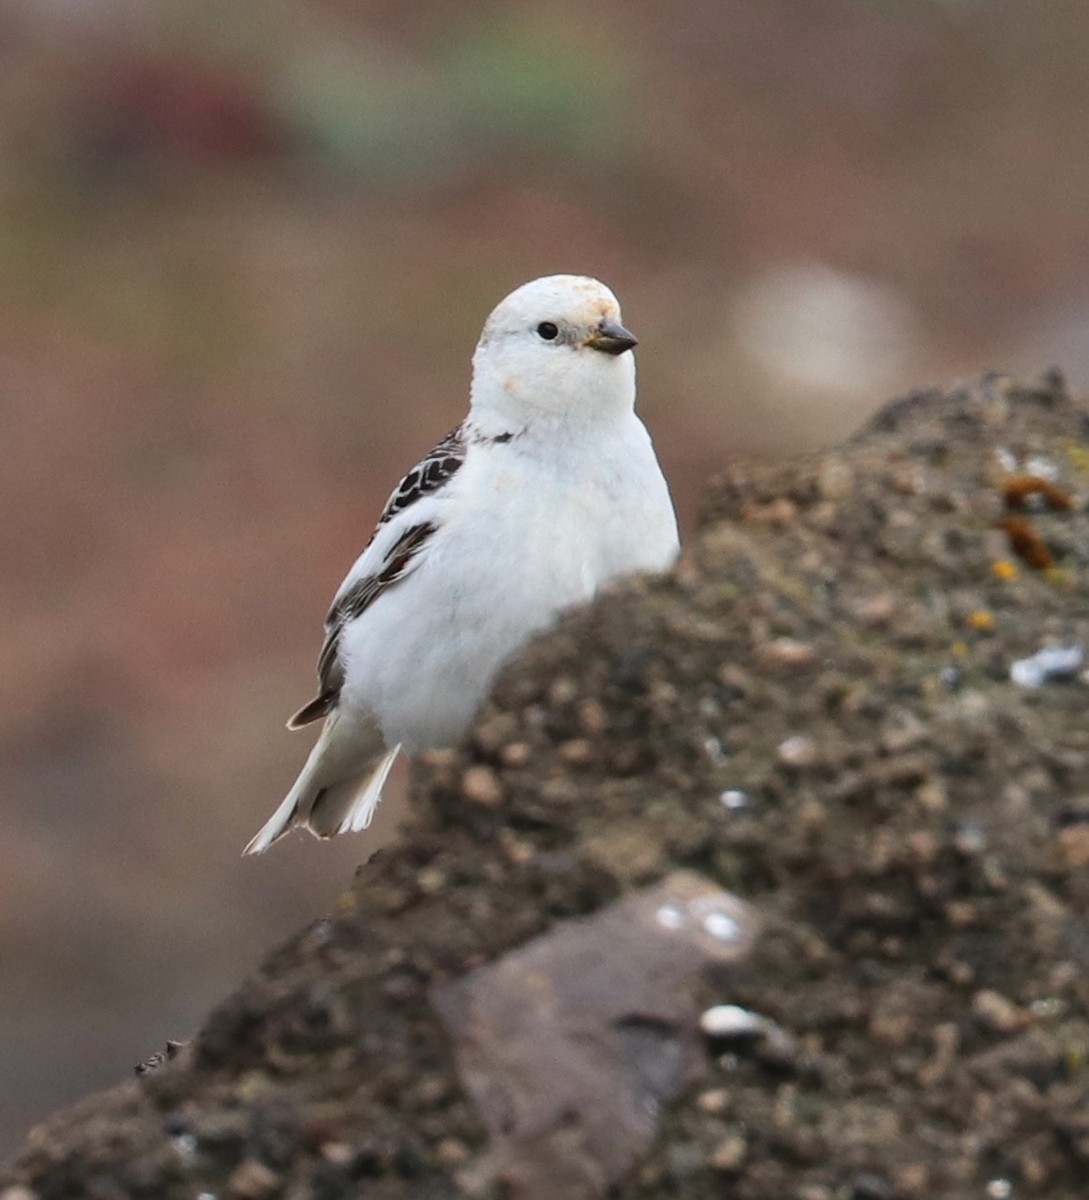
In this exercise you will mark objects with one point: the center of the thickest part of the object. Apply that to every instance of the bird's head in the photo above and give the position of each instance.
(555, 346)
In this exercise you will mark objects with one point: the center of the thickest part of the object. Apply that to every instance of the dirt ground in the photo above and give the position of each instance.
(817, 714)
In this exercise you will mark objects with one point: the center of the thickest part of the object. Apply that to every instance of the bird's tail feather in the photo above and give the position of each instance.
(348, 806)
(337, 790)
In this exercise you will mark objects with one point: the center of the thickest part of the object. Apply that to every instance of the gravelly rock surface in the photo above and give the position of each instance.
(816, 714)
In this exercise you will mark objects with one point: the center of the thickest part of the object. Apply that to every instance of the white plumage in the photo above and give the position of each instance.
(549, 490)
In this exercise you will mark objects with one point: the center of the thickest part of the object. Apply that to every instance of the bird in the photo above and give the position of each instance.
(549, 490)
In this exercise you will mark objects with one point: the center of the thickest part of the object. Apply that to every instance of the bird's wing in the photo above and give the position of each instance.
(397, 540)
(429, 475)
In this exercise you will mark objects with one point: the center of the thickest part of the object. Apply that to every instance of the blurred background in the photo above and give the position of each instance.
(246, 248)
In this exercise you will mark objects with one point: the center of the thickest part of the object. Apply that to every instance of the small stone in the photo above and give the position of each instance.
(778, 512)
(714, 1100)
(592, 718)
(996, 1012)
(577, 750)
(912, 1179)
(1034, 1171)
(1052, 662)
(562, 691)
(876, 610)
(252, 1180)
(1073, 844)
(490, 735)
(961, 973)
(811, 813)
(480, 785)
(970, 839)
(733, 1023)
(798, 752)
(961, 914)
(515, 754)
(923, 846)
(338, 1153)
(932, 796)
(431, 880)
(451, 1152)
(893, 1028)
(729, 1154)
(18, 1193)
(787, 652)
(516, 850)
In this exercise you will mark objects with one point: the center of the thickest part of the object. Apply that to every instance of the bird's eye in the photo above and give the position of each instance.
(548, 331)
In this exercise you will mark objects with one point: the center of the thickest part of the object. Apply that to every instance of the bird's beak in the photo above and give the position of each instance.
(611, 337)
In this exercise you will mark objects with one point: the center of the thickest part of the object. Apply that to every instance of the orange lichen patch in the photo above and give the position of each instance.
(1005, 570)
(981, 620)
(1026, 543)
(1017, 489)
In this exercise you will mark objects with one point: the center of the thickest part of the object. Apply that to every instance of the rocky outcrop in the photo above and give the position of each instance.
(819, 776)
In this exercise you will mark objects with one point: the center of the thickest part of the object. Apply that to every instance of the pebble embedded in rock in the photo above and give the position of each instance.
(577, 750)
(714, 1101)
(787, 652)
(515, 754)
(730, 1021)
(798, 752)
(729, 1154)
(451, 1152)
(1052, 662)
(252, 1180)
(996, 1012)
(480, 785)
(1073, 844)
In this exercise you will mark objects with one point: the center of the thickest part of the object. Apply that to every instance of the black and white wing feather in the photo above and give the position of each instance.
(429, 475)
(384, 562)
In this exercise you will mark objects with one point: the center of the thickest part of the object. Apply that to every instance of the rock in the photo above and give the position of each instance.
(1073, 847)
(480, 785)
(996, 1012)
(729, 1154)
(786, 653)
(799, 752)
(923, 855)
(612, 990)
(252, 1180)
(728, 1022)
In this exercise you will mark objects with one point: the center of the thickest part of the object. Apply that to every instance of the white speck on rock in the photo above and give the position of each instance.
(1052, 662)
(731, 1020)
(669, 916)
(721, 926)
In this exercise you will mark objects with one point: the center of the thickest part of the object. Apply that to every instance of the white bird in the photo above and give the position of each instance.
(547, 491)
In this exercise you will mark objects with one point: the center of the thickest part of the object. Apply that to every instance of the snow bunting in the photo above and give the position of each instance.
(548, 490)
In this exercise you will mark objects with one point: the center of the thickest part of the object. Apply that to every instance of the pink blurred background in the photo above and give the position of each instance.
(245, 252)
